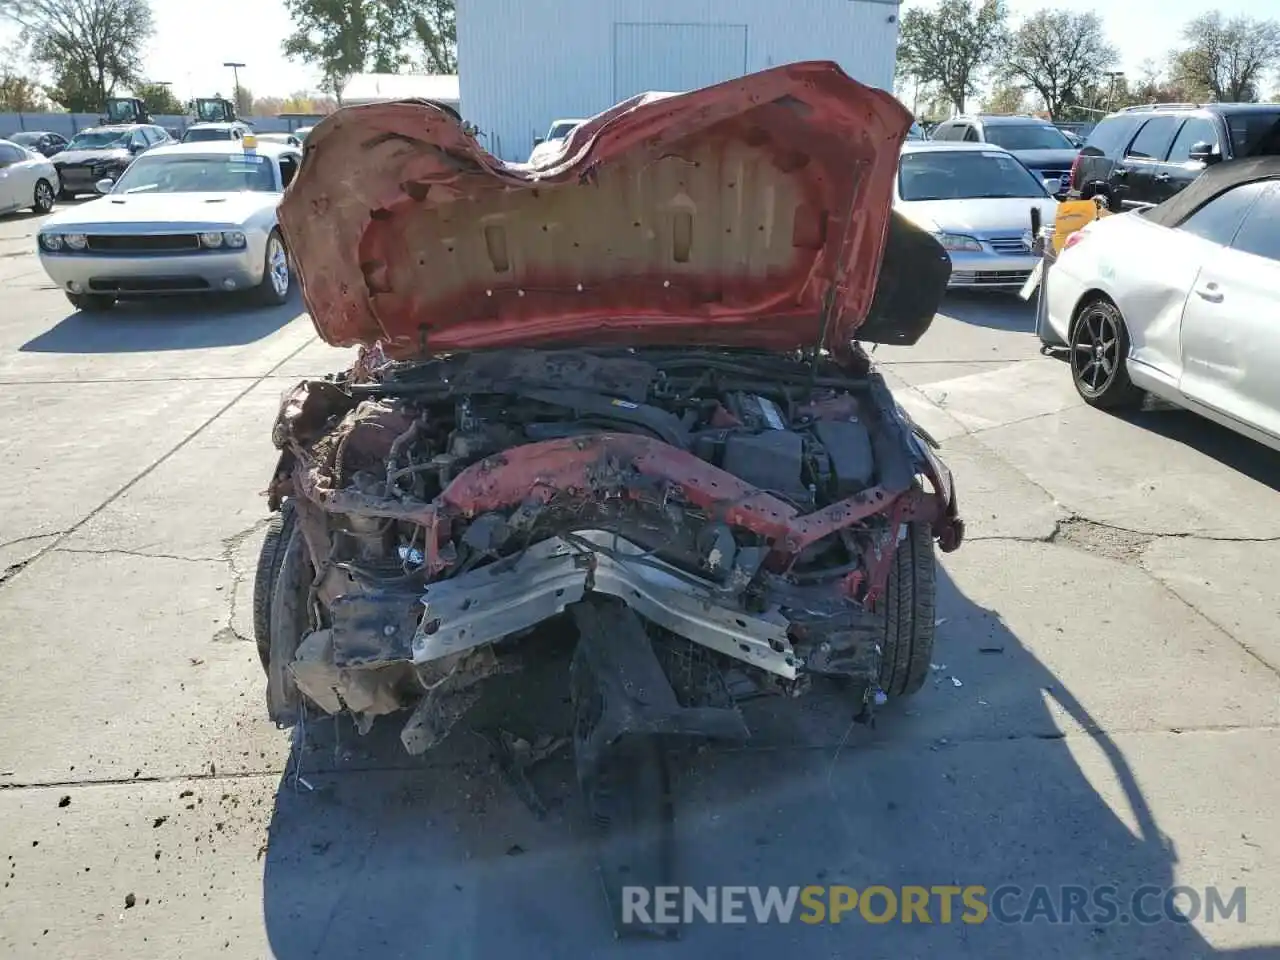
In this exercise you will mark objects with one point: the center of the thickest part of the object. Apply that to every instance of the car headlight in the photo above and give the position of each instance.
(233, 238)
(75, 241)
(211, 240)
(51, 241)
(958, 241)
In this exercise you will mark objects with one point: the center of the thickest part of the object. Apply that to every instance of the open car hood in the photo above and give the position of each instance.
(737, 215)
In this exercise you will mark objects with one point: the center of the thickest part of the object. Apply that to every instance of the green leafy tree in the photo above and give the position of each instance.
(951, 45)
(243, 99)
(436, 27)
(1006, 98)
(91, 47)
(19, 94)
(1058, 53)
(1227, 58)
(344, 37)
(159, 98)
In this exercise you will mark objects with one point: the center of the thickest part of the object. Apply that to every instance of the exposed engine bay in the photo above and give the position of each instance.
(775, 514)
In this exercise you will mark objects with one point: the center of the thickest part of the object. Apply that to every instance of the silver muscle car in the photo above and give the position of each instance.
(187, 218)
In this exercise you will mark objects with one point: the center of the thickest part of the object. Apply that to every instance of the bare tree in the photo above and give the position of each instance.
(951, 45)
(90, 46)
(1059, 54)
(1153, 86)
(1228, 58)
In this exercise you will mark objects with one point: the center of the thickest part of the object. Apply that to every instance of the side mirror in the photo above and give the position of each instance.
(1053, 185)
(1203, 153)
(104, 185)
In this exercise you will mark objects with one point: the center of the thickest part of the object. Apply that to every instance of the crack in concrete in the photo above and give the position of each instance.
(1077, 530)
(409, 765)
(1128, 547)
(229, 547)
(75, 381)
(11, 574)
(33, 536)
(108, 551)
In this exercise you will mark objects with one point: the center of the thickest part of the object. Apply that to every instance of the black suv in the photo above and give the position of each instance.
(1043, 149)
(103, 152)
(1145, 154)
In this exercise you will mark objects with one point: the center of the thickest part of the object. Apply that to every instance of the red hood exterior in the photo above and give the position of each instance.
(726, 216)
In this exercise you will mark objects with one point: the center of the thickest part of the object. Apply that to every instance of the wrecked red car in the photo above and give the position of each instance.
(625, 389)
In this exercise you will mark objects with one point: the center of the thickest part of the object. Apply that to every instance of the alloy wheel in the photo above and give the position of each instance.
(1095, 351)
(278, 264)
(44, 197)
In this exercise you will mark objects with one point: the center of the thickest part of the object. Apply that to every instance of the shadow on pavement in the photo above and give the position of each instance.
(999, 311)
(169, 323)
(970, 784)
(1226, 446)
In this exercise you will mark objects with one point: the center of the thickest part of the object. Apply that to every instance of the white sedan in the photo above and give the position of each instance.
(27, 180)
(185, 218)
(1181, 300)
(977, 201)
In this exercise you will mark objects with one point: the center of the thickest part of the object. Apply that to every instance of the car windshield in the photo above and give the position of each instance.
(97, 139)
(1254, 133)
(1027, 136)
(963, 175)
(561, 129)
(200, 134)
(25, 139)
(226, 173)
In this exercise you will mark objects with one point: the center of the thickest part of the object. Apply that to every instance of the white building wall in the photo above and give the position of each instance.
(524, 63)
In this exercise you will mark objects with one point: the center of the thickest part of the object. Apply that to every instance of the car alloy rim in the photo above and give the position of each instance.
(1095, 351)
(279, 265)
(44, 195)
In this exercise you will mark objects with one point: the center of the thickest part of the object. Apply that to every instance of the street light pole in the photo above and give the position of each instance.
(235, 73)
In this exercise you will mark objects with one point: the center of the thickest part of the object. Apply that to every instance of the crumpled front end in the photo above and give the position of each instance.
(747, 508)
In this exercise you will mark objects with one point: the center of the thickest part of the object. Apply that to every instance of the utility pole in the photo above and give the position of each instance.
(235, 73)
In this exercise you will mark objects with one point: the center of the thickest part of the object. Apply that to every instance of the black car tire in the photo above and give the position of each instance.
(274, 289)
(909, 605)
(290, 621)
(42, 198)
(1099, 349)
(66, 195)
(270, 557)
(92, 302)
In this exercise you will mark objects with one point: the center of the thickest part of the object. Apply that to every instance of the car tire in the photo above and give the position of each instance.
(92, 302)
(909, 605)
(1099, 349)
(43, 197)
(277, 275)
(66, 195)
(270, 557)
(290, 622)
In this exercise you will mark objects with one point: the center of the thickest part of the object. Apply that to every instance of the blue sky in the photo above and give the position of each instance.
(190, 47)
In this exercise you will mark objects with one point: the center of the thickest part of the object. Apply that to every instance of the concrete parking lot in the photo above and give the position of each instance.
(1104, 709)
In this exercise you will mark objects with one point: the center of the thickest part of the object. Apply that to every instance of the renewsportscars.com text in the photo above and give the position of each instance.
(945, 903)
